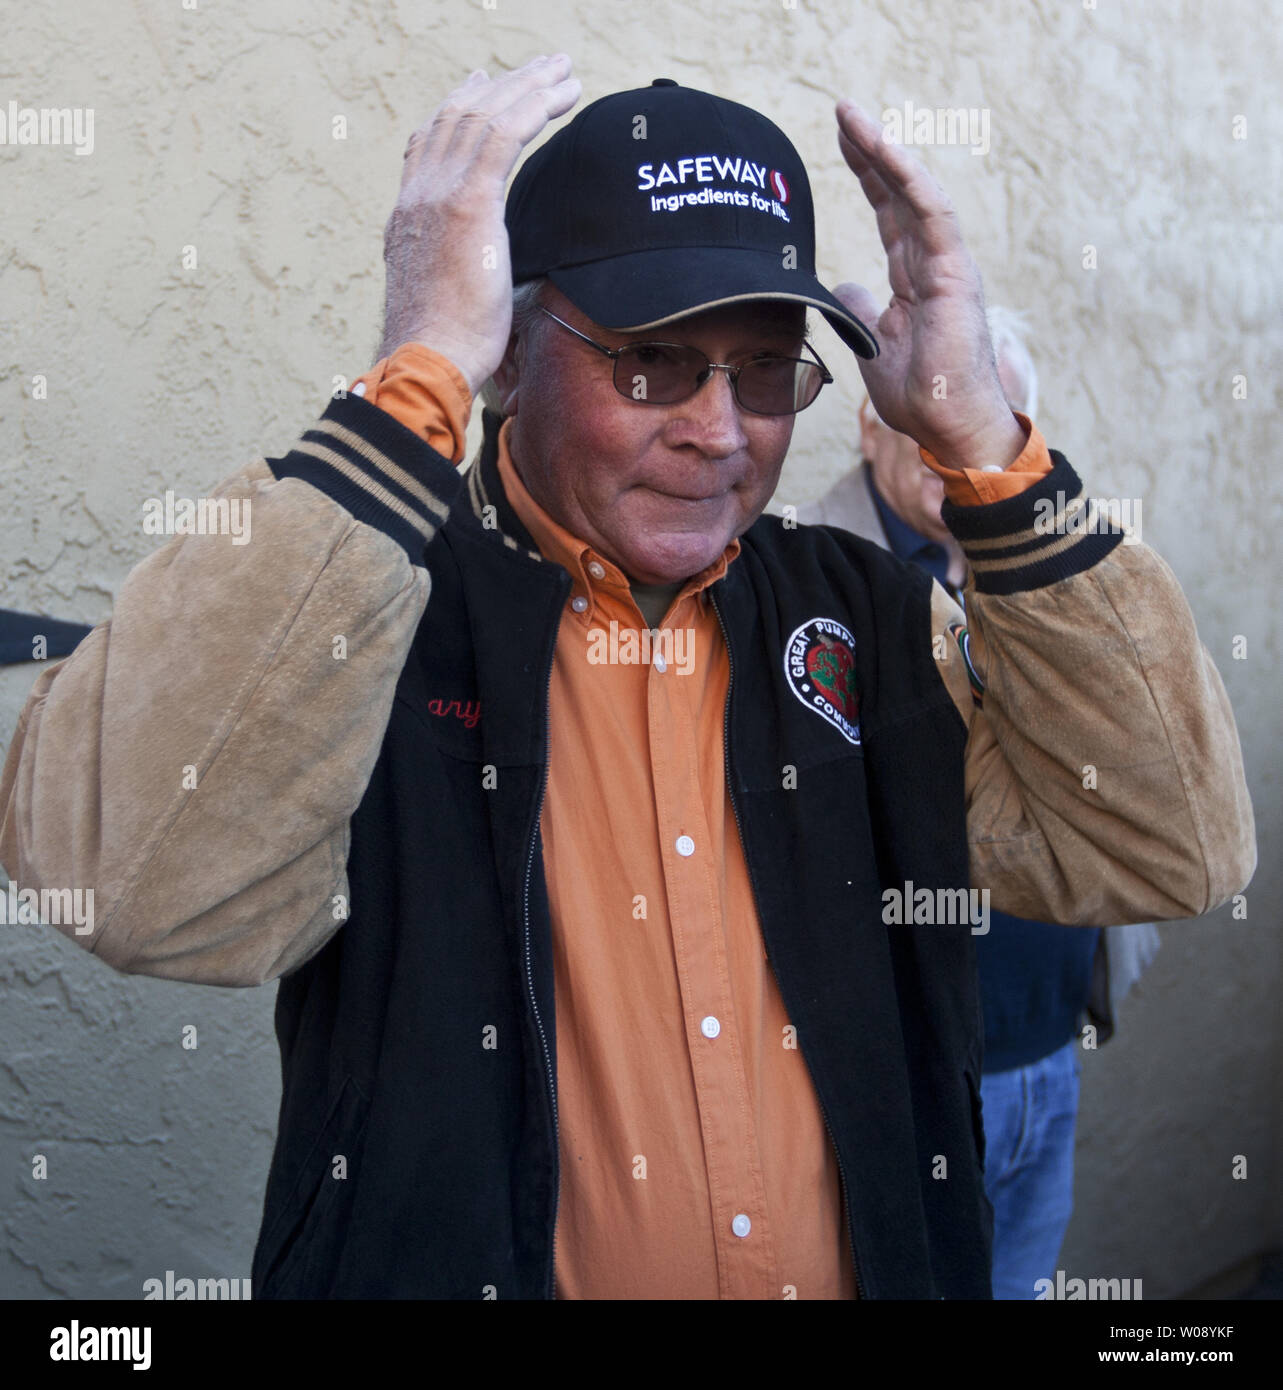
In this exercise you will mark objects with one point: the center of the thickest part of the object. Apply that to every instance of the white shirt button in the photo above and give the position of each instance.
(710, 1027)
(359, 389)
(685, 846)
(660, 664)
(993, 468)
(741, 1225)
(579, 603)
(596, 570)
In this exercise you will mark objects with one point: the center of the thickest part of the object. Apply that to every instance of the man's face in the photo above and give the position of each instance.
(658, 489)
(913, 492)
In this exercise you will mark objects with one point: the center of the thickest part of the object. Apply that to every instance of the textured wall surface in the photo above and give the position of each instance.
(1111, 126)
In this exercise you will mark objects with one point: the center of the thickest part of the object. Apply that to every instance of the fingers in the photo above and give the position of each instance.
(491, 95)
(897, 186)
(858, 155)
(431, 138)
(861, 141)
(494, 140)
(503, 113)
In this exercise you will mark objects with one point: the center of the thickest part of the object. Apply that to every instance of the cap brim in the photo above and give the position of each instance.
(646, 289)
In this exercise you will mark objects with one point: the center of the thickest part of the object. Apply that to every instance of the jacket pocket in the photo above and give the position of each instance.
(300, 1253)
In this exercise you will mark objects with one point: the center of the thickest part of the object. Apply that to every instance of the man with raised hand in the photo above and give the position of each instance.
(589, 986)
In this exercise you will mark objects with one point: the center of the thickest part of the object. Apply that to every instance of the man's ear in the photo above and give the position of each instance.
(868, 430)
(508, 373)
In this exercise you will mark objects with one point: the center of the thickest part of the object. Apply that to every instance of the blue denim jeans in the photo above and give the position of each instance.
(1029, 1116)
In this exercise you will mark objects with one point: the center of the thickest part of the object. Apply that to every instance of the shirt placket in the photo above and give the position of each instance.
(746, 1256)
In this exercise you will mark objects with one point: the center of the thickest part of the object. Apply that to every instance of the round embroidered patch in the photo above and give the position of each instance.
(819, 665)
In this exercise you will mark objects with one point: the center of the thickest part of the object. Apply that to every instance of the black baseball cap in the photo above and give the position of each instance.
(659, 202)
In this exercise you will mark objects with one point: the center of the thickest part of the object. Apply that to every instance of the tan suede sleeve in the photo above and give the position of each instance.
(1104, 777)
(197, 759)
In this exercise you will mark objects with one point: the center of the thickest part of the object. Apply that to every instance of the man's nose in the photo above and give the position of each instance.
(710, 419)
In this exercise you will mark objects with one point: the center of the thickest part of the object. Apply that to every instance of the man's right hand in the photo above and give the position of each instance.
(445, 247)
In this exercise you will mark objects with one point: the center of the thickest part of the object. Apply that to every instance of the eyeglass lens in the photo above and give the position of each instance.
(664, 373)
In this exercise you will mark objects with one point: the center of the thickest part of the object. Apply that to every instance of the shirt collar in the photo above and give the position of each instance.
(907, 544)
(590, 571)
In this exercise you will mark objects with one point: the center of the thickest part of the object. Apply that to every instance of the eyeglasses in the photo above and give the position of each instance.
(666, 373)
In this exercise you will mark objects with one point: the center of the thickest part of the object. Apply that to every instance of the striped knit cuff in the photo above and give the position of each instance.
(378, 470)
(1047, 533)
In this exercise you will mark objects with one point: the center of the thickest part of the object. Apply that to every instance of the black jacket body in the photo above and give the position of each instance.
(448, 1145)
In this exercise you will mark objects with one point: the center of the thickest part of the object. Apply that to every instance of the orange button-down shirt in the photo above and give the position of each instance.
(695, 1159)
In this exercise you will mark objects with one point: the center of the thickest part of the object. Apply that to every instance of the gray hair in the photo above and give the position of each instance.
(1007, 329)
(526, 299)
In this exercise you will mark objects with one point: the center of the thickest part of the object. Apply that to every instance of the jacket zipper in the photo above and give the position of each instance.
(730, 788)
(530, 986)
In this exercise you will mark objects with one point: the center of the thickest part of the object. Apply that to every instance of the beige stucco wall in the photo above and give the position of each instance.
(1110, 126)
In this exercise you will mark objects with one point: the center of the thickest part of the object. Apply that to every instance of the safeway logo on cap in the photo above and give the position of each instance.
(710, 168)
(715, 168)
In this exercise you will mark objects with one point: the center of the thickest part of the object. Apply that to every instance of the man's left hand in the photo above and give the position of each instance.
(935, 379)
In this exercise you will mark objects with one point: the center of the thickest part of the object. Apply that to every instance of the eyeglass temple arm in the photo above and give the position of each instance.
(819, 362)
(614, 352)
(605, 351)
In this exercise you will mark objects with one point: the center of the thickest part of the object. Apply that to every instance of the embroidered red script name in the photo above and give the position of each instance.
(467, 710)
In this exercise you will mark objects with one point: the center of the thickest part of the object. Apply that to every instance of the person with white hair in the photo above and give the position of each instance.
(1038, 980)
(891, 484)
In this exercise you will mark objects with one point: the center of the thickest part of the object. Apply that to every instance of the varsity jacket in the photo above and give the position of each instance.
(255, 765)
